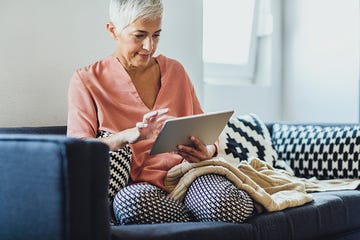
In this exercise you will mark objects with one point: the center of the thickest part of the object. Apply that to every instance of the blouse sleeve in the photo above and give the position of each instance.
(82, 115)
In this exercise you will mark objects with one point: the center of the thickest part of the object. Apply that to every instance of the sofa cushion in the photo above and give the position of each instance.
(330, 215)
(183, 231)
(244, 137)
(320, 151)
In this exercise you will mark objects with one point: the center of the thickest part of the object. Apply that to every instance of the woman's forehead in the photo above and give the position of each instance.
(145, 24)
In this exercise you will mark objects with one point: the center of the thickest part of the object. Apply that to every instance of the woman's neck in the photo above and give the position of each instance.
(134, 70)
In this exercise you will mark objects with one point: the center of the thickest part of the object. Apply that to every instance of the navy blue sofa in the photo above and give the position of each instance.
(54, 187)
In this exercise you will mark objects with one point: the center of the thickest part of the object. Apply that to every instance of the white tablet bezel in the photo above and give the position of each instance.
(206, 126)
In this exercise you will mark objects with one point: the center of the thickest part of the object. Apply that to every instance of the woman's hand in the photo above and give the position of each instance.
(148, 128)
(198, 152)
(151, 124)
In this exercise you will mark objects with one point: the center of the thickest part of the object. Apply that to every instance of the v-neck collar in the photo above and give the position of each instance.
(124, 76)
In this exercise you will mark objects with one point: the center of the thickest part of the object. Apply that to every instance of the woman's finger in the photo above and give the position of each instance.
(190, 151)
(199, 145)
(141, 125)
(149, 115)
(188, 157)
(162, 111)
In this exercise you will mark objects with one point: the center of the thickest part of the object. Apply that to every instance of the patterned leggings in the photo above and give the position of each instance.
(209, 198)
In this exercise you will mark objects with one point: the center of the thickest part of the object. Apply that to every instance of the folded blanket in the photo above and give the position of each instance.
(271, 189)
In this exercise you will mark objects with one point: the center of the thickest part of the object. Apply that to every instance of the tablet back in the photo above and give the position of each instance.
(207, 127)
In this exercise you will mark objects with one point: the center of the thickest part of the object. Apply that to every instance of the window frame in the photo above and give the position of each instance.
(232, 73)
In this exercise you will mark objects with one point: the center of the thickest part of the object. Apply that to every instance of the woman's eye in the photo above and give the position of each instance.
(139, 35)
(156, 35)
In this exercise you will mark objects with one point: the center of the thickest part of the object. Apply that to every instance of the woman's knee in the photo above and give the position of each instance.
(145, 203)
(215, 198)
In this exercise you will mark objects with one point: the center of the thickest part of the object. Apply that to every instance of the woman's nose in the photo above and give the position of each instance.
(148, 44)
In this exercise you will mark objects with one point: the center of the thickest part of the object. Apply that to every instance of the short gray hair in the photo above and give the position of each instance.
(124, 12)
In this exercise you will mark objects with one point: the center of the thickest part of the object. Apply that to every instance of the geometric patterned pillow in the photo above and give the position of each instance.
(120, 161)
(244, 137)
(324, 152)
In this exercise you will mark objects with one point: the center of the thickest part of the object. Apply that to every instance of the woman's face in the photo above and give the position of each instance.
(137, 42)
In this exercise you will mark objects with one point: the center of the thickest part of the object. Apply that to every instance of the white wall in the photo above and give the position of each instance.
(321, 60)
(181, 37)
(43, 42)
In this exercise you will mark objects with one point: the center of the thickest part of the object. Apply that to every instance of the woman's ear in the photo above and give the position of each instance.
(110, 27)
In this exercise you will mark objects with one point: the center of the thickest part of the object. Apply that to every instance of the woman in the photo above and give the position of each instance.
(130, 94)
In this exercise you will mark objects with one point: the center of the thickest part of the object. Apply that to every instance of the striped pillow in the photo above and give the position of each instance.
(246, 137)
(120, 161)
(324, 152)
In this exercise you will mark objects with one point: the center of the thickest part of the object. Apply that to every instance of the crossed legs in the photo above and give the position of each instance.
(210, 198)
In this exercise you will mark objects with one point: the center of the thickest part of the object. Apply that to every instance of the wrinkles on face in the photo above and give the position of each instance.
(137, 43)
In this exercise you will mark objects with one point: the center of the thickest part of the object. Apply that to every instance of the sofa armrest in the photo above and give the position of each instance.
(53, 187)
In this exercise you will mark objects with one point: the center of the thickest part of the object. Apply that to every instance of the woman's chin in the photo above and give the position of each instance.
(142, 61)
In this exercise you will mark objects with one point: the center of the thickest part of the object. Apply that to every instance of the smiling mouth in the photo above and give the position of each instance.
(144, 55)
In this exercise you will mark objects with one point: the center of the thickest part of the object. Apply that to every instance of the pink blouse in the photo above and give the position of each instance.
(103, 97)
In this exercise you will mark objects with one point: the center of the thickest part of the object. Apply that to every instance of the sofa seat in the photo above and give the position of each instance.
(328, 215)
(331, 214)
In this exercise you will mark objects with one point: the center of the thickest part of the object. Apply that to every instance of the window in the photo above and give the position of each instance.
(230, 38)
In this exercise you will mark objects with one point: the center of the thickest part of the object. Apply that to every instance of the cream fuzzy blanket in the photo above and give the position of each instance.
(271, 189)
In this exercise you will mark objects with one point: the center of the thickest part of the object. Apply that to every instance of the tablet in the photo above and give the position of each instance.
(206, 126)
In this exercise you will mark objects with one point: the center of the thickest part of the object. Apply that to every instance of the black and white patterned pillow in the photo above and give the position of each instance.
(244, 137)
(325, 152)
(120, 161)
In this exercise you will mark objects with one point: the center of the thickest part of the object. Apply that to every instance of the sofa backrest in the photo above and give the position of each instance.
(61, 130)
(57, 130)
